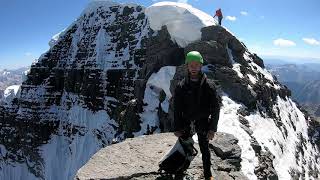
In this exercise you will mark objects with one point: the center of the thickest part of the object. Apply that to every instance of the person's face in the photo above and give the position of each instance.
(194, 68)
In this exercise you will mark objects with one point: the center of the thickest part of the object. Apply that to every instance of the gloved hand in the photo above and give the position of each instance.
(179, 133)
(211, 134)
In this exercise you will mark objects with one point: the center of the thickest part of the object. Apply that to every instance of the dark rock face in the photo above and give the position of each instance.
(317, 113)
(257, 60)
(129, 118)
(223, 37)
(212, 51)
(160, 51)
(265, 170)
(237, 87)
(1, 93)
(94, 66)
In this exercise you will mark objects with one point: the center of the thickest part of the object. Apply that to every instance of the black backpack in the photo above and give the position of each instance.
(179, 157)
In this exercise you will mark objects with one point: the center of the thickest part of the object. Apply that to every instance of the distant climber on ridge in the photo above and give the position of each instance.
(219, 15)
(197, 108)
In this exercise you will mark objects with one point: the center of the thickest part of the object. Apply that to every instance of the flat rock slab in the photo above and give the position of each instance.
(138, 158)
(139, 155)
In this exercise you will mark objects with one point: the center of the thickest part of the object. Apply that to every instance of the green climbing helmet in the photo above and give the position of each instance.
(194, 56)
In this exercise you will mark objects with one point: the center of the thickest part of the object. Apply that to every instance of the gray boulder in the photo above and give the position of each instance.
(212, 51)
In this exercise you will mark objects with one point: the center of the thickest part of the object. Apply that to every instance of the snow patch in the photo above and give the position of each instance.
(183, 22)
(252, 79)
(156, 83)
(235, 66)
(257, 68)
(11, 92)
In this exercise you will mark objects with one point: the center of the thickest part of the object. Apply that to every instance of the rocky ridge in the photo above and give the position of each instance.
(138, 158)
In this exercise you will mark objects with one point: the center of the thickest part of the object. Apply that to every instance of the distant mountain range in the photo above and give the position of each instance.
(304, 82)
(280, 60)
(11, 77)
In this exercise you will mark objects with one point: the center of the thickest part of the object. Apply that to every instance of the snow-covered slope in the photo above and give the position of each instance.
(272, 138)
(112, 73)
(184, 22)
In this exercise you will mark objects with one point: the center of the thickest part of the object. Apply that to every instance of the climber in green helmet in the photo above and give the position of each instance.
(196, 108)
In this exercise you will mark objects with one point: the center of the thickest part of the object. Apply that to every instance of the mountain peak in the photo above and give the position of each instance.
(94, 5)
(110, 76)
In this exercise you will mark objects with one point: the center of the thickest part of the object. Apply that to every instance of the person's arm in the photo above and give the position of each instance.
(214, 113)
(178, 107)
(215, 109)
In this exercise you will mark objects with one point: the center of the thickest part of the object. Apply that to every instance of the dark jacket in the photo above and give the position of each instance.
(218, 13)
(196, 102)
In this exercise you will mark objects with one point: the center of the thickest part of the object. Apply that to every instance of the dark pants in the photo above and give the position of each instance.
(204, 148)
(206, 157)
(220, 19)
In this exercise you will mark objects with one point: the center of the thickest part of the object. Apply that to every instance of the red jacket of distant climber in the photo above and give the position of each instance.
(218, 13)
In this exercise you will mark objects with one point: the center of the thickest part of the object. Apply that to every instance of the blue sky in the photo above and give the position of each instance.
(267, 27)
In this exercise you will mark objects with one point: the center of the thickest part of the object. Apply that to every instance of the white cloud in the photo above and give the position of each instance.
(182, 1)
(28, 54)
(244, 13)
(231, 18)
(283, 43)
(311, 41)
